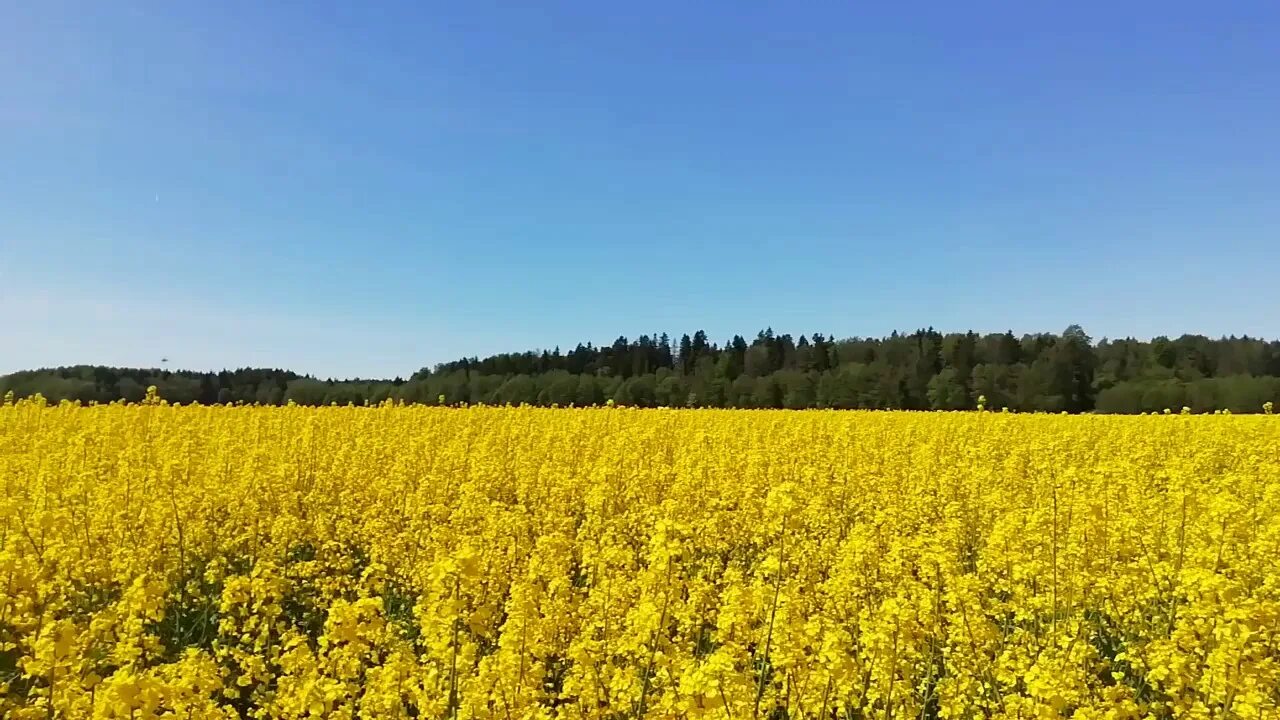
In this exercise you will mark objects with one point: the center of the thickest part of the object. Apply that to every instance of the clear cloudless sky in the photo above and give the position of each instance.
(362, 189)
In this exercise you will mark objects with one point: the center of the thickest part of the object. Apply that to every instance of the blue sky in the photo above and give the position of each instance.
(363, 189)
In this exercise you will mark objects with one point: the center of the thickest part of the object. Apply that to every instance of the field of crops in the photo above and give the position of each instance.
(521, 563)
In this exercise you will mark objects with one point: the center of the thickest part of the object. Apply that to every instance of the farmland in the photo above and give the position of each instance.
(517, 562)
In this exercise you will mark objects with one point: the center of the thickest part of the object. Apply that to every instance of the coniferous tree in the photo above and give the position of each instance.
(920, 370)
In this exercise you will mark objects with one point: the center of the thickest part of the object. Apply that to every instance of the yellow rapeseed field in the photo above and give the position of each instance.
(517, 563)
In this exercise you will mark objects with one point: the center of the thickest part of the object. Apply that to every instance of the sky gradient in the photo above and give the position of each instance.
(354, 189)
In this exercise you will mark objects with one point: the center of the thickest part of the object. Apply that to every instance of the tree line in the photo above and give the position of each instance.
(922, 370)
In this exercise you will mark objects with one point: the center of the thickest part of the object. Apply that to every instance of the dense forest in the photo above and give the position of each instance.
(922, 370)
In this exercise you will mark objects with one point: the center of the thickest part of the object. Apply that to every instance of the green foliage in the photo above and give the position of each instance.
(925, 369)
(947, 392)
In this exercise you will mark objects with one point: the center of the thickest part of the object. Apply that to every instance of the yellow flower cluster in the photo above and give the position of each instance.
(521, 563)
